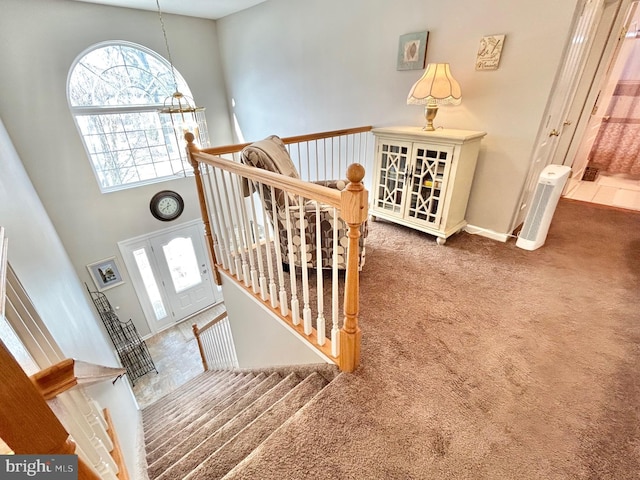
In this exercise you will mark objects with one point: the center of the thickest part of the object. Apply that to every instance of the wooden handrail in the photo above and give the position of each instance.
(326, 195)
(27, 424)
(116, 453)
(209, 324)
(68, 373)
(226, 149)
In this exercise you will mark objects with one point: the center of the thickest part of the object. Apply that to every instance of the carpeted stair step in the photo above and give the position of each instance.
(192, 388)
(212, 386)
(165, 456)
(237, 448)
(170, 424)
(192, 406)
(196, 383)
(204, 447)
(215, 418)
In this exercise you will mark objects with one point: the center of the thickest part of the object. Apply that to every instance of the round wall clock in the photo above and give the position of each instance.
(166, 205)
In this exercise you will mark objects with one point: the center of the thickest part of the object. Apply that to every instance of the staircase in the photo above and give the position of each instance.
(214, 421)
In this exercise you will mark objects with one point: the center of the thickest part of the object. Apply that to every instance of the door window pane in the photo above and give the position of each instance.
(183, 264)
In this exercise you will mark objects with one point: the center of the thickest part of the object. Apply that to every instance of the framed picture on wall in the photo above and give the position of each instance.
(412, 51)
(105, 273)
(489, 52)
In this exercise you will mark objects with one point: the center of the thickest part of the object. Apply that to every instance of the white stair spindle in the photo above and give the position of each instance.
(295, 308)
(262, 280)
(306, 310)
(335, 330)
(320, 321)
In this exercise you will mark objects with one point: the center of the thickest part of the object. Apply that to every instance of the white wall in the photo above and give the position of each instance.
(39, 40)
(43, 267)
(297, 67)
(261, 340)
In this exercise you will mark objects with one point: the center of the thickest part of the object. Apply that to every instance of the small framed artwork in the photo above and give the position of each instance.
(489, 52)
(412, 51)
(105, 273)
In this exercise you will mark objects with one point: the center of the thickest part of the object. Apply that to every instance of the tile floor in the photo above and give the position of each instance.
(175, 354)
(609, 190)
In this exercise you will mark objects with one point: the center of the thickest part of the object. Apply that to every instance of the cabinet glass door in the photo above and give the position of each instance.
(428, 183)
(392, 176)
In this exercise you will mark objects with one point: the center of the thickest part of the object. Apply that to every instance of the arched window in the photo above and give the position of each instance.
(115, 91)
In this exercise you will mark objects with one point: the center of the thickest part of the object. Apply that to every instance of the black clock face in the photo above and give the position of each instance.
(166, 205)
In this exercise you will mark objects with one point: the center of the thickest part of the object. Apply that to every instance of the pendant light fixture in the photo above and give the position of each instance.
(181, 110)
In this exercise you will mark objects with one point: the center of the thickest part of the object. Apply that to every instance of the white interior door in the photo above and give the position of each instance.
(171, 274)
(562, 96)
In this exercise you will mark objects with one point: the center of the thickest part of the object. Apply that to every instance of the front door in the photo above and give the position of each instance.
(184, 270)
(171, 274)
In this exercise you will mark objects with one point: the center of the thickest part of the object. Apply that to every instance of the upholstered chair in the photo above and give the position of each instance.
(271, 154)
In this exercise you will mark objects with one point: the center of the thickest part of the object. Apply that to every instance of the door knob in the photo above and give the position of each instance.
(554, 133)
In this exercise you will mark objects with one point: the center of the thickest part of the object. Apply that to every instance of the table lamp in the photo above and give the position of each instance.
(436, 87)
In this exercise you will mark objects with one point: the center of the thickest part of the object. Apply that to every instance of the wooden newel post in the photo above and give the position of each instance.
(196, 332)
(27, 424)
(354, 211)
(192, 147)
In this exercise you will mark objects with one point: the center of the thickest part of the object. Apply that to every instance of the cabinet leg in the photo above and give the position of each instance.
(441, 241)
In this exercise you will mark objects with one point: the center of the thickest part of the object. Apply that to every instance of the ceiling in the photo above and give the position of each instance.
(212, 9)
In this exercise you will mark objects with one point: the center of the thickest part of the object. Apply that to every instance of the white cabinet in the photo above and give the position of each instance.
(422, 179)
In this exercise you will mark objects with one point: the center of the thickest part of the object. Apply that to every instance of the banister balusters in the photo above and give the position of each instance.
(289, 231)
(284, 309)
(231, 233)
(295, 307)
(224, 210)
(320, 321)
(218, 351)
(238, 227)
(245, 228)
(261, 280)
(213, 206)
(273, 294)
(306, 310)
(335, 309)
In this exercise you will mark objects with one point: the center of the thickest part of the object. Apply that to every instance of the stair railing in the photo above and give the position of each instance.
(28, 424)
(43, 413)
(215, 343)
(243, 242)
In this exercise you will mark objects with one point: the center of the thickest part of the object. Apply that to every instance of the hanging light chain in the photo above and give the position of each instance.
(166, 43)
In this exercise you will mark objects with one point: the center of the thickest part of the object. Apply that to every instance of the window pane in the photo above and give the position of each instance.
(150, 285)
(183, 264)
(127, 147)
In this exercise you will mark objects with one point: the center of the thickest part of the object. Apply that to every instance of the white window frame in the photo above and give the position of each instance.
(158, 166)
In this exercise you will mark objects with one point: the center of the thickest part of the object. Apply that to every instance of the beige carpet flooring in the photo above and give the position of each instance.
(483, 361)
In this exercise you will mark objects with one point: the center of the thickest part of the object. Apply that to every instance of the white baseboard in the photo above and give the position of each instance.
(501, 237)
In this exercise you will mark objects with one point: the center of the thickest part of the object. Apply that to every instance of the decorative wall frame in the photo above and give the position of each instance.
(489, 52)
(412, 51)
(105, 273)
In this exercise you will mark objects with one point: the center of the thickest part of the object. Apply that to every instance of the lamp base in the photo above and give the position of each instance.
(430, 112)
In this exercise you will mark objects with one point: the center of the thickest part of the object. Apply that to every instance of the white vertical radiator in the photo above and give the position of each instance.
(545, 199)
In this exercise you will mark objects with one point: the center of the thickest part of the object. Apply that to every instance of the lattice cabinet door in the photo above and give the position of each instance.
(392, 175)
(423, 179)
(428, 180)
